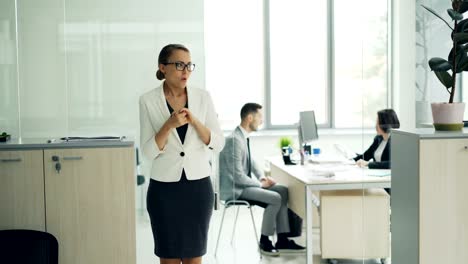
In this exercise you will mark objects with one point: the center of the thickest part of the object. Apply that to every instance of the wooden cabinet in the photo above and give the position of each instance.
(88, 204)
(22, 190)
(429, 197)
(355, 224)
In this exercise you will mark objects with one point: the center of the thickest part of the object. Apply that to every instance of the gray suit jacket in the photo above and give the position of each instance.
(233, 167)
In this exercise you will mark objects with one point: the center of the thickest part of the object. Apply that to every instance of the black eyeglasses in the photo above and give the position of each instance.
(180, 66)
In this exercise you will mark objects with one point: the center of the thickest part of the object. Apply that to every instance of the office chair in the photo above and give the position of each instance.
(19, 246)
(230, 203)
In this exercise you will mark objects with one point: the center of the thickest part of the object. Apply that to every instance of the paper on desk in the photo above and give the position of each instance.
(378, 173)
(323, 171)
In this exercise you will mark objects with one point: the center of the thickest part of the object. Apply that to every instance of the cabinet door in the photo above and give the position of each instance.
(91, 204)
(443, 201)
(22, 190)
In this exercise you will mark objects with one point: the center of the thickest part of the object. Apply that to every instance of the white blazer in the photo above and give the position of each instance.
(193, 156)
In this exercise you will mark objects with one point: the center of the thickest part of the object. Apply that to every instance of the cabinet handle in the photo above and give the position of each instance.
(466, 147)
(11, 160)
(73, 158)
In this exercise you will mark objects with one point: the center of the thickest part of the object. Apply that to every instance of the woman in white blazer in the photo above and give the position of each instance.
(179, 130)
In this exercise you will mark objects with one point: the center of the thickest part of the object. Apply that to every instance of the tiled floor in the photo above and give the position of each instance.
(244, 249)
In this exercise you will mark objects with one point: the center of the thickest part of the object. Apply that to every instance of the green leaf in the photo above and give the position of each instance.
(437, 15)
(461, 58)
(439, 64)
(460, 38)
(463, 7)
(445, 78)
(462, 26)
(285, 142)
(463, 65)
(454, 14)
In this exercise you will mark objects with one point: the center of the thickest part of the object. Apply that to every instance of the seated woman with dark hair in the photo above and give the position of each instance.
(379, 151)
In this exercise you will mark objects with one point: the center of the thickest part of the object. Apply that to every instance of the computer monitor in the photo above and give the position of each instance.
(307, 127)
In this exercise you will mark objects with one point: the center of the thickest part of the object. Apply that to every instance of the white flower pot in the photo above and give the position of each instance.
(448, 117)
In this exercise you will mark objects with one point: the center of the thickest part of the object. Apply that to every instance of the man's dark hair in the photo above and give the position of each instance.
(249, 108)
(388, 119)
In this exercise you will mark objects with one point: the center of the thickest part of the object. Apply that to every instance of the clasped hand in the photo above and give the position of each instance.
(181, 117)
(267, 182)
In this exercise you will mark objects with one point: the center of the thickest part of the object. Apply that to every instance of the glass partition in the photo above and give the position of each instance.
(77, 68)
(9, 114)
(93, 60)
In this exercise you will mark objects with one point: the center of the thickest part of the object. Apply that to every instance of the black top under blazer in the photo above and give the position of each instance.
(369, 154)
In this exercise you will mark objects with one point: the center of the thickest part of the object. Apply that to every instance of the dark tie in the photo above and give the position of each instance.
(250, 161)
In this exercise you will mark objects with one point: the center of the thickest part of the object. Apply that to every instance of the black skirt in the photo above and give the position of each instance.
(180, 214)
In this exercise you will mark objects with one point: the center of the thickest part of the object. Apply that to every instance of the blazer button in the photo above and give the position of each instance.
(182, 154)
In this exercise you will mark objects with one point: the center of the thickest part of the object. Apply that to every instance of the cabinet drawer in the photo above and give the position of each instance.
(22, 190)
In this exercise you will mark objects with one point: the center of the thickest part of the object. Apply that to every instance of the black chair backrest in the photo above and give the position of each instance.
(28, 247)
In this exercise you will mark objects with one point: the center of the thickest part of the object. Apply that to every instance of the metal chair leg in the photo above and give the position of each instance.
(234, 227)
(255, 230)
(219, 233)
(253, 222)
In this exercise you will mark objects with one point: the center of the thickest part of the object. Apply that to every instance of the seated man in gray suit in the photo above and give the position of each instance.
(237, 182)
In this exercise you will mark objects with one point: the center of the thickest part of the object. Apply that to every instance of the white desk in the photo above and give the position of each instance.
(301, 182)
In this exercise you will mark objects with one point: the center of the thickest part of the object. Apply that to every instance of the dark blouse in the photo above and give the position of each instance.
(182, 130)
(385, 162)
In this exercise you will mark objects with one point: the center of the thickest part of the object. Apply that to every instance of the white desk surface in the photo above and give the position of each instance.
(344, 174)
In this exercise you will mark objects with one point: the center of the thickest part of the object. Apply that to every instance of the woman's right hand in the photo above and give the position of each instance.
(177, 119)
(362, 163)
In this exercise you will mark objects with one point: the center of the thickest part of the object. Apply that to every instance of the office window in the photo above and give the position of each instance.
(234, 48)
(298, 60)
(360, 61)
(327, 56)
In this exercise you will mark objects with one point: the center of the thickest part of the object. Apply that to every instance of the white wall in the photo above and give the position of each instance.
(403, 64)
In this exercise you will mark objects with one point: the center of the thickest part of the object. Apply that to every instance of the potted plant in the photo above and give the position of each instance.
(4, 137)
(285, 144)
(286, 149)
(449, 116)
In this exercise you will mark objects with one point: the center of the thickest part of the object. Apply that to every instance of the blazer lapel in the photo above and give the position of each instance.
(193, 103)
(164, 111)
